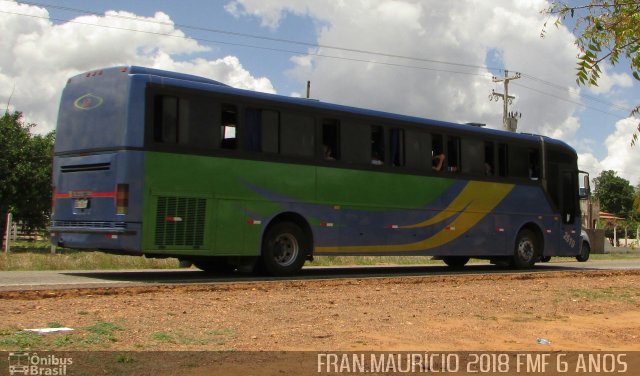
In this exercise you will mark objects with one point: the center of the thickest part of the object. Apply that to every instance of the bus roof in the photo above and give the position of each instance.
(202, 83)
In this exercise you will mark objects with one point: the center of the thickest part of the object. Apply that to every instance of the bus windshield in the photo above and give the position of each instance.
(93, 112)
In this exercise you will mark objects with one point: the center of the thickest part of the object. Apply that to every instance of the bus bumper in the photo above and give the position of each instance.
(126, 239)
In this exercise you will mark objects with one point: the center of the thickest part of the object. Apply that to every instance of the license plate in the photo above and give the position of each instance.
(81, 203)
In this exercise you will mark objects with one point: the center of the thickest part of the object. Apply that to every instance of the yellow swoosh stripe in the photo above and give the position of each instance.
(475, 201)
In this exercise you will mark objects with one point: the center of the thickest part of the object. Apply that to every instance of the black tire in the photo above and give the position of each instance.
(585, 251)
(545, 258)
(284, 249)
(527, 250)
(455, 261)
(214, 265)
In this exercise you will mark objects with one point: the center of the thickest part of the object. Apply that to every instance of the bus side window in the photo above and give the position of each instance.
(330, 139)
(489, 158)
(270, 142)
(397, 143)
(165, 123)
(228, 127)
(472, 156)
(262, 130)
(355, 145)
(453, 154)
(524, 162)
(252, 129)
(200, 118)
(377, 145)
(418, 150)
(534, 164)
(503, 166)
(438, 159)
(297, 135)
(519, 163)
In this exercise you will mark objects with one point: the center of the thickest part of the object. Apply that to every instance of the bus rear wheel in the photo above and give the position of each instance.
(455, 261)
(527, 250)
(284, 249)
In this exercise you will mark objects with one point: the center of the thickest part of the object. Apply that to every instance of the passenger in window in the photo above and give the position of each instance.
(437, 161)
(328, 153)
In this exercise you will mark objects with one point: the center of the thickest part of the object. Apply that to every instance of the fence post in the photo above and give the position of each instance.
(14, 231)
(7, 233)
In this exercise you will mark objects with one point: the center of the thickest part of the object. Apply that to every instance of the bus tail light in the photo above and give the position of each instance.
(122, 199)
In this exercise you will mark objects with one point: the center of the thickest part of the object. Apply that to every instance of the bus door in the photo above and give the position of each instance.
(570, 211)
(562, 187)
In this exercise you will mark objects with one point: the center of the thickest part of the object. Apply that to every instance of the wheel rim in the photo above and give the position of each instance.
(526, 249)
(584, 252)
(285, 250)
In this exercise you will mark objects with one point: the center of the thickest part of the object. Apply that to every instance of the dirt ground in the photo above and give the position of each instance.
(586, 311)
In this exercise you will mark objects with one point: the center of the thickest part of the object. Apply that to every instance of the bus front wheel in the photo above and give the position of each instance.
(527, 250)
(585, 250)
(284, 249)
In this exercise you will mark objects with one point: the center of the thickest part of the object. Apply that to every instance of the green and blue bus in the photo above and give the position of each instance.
(163, 164)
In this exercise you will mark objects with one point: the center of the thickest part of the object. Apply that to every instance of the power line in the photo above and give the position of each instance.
(573, 91)
(261, 37)
(617, 116)
(253, 46)
(484, 69)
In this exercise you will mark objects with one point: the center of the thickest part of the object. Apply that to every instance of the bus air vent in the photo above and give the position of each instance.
(86, 167)
(180, 221)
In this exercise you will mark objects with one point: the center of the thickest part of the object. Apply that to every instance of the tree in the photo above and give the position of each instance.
(25, 172)
(636, 202)
(606, 30)
(614, 193)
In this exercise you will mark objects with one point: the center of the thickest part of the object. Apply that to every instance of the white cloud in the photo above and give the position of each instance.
(270, 13)
(621, 156)
(609, 81)
(463, 32)
(588, 162)
(39, 56)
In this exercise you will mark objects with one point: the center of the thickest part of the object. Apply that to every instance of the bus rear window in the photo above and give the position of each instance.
(93, 114)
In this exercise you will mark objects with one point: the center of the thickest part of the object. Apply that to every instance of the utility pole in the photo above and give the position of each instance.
(509, 120)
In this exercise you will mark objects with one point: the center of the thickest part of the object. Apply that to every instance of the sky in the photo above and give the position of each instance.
(427, 58)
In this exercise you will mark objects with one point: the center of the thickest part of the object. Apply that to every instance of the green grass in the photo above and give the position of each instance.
(36, 256)
(372, 260)
(626, 295)
(100, 335)
(213, 336)
(19, 340)
(105, 329)
(163, 337)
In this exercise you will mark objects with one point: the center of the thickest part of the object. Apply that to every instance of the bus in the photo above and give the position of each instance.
(164, 164)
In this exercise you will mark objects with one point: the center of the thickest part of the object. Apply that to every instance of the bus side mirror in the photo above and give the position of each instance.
(585, 190)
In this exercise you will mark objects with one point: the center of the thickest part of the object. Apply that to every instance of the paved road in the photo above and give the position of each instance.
(15, 281)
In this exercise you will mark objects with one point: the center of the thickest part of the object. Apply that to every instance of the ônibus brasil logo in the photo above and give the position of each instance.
(33, 364)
